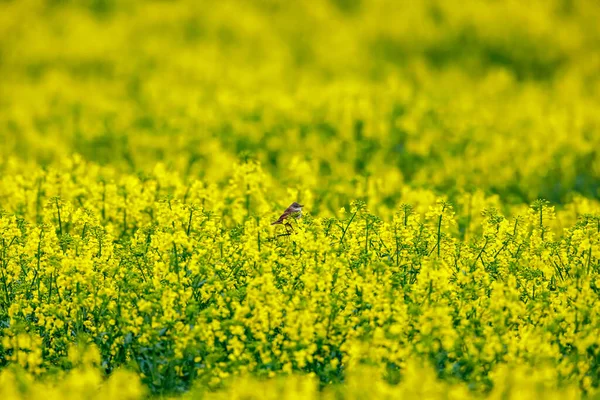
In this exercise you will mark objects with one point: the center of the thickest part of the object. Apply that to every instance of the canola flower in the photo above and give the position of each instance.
(150, 278)
(147, 147)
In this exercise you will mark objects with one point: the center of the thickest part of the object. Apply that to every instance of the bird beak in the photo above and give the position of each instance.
(300, 205)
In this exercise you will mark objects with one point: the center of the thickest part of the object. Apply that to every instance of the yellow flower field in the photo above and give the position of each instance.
(446, 154)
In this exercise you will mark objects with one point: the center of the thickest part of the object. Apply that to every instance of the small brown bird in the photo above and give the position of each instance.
(294, 210)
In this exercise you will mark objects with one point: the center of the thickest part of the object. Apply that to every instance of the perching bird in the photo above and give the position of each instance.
(294, 210)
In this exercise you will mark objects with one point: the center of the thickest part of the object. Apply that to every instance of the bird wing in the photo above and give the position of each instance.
(281, 218)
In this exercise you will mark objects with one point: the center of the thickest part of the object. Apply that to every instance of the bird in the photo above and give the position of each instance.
(294, 210)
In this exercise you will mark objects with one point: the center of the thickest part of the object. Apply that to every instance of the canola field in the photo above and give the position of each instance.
(446, 154)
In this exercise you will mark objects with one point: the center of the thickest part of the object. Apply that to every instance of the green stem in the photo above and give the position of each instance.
(190, 222)
(542, 220)
(439, 232)
(347, 226)
(367, 235)
(396, 237)
(59, 219)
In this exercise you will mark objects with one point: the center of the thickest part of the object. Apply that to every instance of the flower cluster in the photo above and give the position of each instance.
(186, 285)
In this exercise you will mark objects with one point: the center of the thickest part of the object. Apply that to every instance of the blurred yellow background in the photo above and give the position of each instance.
(496, 95)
